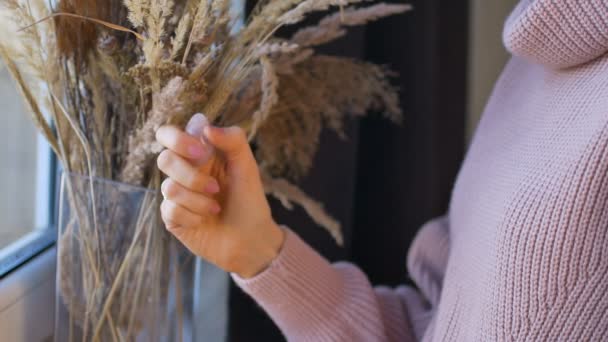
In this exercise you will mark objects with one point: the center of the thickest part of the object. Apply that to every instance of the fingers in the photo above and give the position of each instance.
(232, 141)
(176, 216)
(233, 144)
(193, 201)
(182, 143)
(184, 173)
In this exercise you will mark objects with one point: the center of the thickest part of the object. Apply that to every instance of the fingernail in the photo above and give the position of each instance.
(215, 208)
(196, 125)
(196, 151)
(163, 186)
(212, 187)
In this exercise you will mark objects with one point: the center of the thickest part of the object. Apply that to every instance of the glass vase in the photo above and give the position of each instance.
(120, 275)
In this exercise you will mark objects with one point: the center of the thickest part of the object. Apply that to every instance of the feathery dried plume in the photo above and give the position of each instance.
(285, 62)
(306, 7)
(28, 50)
(138, 10)
(220, 10)
(288, 193)
(265, 18)
(155, 21)
(224, 20)
(270, 96)
(274, 48)
(142, 144)
(199, 27)
(320, 90)
(332, 26)
(181, 35)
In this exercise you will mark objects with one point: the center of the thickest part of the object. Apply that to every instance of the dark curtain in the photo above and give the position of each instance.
(386, 180)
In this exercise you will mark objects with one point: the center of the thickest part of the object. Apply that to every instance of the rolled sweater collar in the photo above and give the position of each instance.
(558, 33)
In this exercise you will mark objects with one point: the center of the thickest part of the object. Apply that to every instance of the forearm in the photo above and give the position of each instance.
(312, 300)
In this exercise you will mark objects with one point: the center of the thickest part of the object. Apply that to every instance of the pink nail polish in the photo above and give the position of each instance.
(196, 125)
(212, 187)
(215, 208)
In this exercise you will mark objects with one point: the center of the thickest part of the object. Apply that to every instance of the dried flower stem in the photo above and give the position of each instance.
(82, 17)
(288, 193)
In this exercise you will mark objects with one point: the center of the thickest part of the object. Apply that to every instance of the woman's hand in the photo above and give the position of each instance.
(214, 201)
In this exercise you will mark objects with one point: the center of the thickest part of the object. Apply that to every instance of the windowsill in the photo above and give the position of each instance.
(20, 251)
(27, 300)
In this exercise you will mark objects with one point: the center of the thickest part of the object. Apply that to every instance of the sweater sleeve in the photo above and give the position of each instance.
(311, 300)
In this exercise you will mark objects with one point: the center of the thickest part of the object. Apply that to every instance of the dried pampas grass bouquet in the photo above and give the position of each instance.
(101, 76)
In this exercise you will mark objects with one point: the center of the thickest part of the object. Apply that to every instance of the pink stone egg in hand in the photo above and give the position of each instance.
(195, 128)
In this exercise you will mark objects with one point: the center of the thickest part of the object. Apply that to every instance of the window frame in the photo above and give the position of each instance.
(44, 234)
(28, 265)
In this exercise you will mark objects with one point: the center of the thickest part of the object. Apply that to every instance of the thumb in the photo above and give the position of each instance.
(231, 141)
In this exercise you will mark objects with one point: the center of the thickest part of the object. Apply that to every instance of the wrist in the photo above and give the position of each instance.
(269, 250)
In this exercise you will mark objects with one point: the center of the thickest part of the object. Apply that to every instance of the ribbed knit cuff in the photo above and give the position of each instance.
(303, 294)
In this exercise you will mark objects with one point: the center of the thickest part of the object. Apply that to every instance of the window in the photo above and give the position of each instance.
(26, 181)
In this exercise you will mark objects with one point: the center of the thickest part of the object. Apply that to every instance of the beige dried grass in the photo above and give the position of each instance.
(270, 96)
(333, 26)
(288, 193)
(167, 104)
(321, 90)
(307, 7)
(107, 91)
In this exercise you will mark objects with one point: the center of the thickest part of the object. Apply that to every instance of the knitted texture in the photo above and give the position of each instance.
(560, 33)
(523, 252)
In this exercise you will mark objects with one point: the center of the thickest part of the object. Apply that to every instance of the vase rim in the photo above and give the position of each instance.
(109, 181)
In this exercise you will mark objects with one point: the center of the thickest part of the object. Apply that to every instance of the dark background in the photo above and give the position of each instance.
(386, 180)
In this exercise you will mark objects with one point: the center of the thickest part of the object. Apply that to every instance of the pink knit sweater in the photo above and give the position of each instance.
(523, 252)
